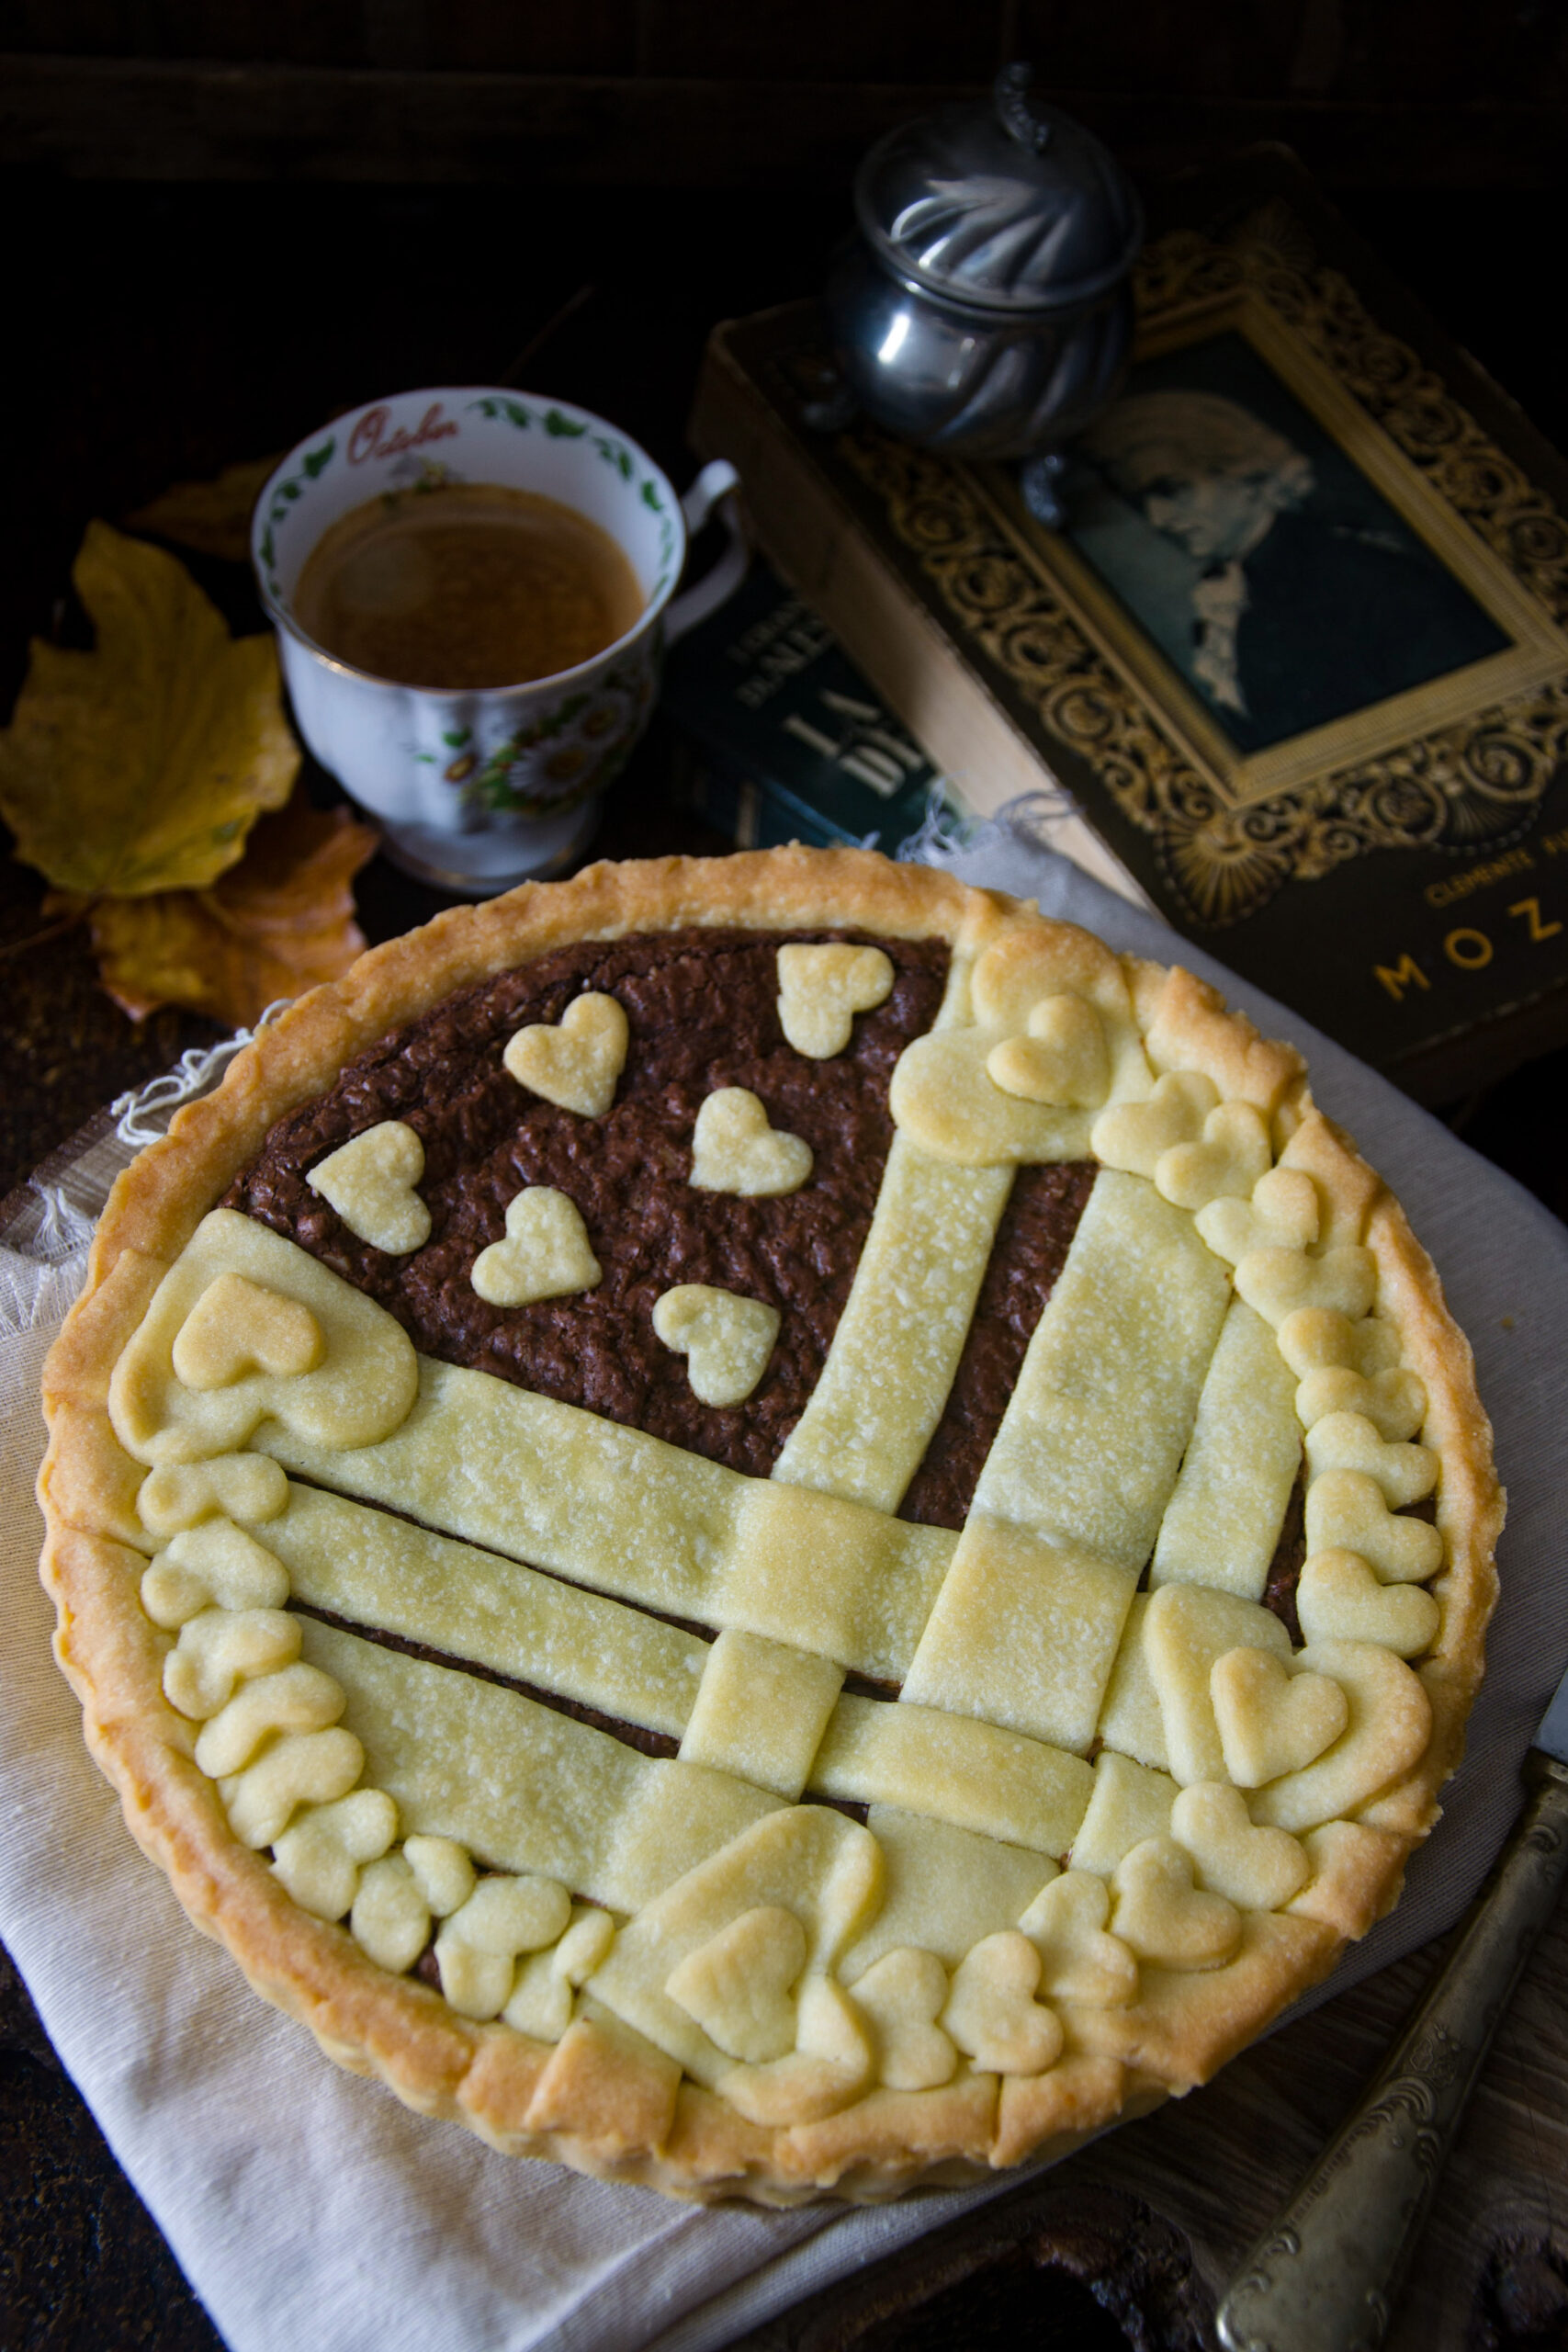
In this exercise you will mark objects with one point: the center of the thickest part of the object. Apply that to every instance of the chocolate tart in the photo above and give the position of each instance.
(769, 1527)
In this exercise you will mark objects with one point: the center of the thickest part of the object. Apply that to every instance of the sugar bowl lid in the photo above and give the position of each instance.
(1009, 206)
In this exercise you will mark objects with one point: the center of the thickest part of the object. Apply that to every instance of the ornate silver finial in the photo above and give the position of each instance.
(1010, 95)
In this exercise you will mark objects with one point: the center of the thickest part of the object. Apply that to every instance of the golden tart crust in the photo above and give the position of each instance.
(719, 2046)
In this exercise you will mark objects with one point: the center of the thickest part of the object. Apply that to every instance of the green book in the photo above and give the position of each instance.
(779, 736)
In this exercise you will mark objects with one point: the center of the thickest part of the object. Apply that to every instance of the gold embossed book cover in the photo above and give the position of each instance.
(1298, 652)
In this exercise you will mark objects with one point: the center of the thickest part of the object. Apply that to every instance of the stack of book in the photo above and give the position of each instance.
(1298, 654)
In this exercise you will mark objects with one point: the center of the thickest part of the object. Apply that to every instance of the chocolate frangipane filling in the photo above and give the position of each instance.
(702, 1011)
(484, 1140)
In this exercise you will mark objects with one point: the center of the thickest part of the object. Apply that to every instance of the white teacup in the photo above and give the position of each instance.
(480, 789)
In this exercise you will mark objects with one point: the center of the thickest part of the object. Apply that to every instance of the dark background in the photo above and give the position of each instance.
(225, 220)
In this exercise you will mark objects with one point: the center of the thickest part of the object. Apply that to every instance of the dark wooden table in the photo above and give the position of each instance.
(170, 332)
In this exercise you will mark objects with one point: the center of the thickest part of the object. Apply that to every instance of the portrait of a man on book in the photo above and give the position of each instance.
(1262, 561)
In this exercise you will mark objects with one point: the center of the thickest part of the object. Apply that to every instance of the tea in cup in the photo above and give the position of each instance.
(473, 589)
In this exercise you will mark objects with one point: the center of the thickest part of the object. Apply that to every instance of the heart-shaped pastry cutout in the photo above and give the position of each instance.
(321, 1858)
(477, 1949)
(1164, 1917)
(176, 1495)
(296, 1699)
(830, 2064)
(1061, 1060)
(544, 1993)
(1390, 1723)
(726, 1340)
(214, 1565)
(1277, 1283)
(574, 1062)
(1230, 1158)
(1316, 1338)
(1271, 1721)
(389, 1920)
(992, 2013)
(1348, 1511)
(370, 1181)
(238, 1326)
(903, 1995)
(443, 1872)
(220, 1647)
(734, 1149)
(1350, 1442)
(1020, 969)
(1135, 1136)
(822, 989)
(737, 1986)
(1338, 1598)
(1079, 1962)
(1258, 1869)
(1395, 1401)
(546, 1253)
(1281, 1214)
(1186, 1628)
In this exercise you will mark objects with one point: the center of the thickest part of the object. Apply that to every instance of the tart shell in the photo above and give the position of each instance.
(603, 2100)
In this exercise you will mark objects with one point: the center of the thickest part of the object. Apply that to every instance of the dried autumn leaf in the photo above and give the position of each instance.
(140, 766)
(214, 516)
(274, 925)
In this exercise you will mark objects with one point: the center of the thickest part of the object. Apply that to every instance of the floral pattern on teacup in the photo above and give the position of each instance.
(564, 753)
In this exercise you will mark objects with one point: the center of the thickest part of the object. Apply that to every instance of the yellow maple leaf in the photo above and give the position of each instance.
(213, 516)
(274, 925)
(142, 765)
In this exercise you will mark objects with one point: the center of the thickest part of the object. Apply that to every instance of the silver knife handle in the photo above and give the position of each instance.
(1324, 2279)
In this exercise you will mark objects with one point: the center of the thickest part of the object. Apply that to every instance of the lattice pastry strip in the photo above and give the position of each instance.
(745, 1706)
(1223, 1521)
(1089, 1447)
(881, 1392)
(1131, 1722)
(1024, 1631)
(1129, 1803)
(372, 1570)
(1023, 1634)
(612, 1508)
(761, 1711)
(971, 1773)
(891, 1363)
(589, 1811)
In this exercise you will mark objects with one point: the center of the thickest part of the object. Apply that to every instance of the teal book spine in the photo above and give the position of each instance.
(780, 737)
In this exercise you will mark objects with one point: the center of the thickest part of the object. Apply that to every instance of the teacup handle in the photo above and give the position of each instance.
(715, 483)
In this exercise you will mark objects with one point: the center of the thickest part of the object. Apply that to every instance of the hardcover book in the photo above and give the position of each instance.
(1298, 654)
(780, 737)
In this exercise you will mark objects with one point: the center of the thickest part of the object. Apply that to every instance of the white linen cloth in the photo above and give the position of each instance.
(305, 2205)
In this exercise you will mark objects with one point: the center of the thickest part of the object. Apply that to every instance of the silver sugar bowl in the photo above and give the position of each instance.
(983, 309)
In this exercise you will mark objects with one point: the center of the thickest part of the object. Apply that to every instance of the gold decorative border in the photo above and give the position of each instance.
(1459, 763)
